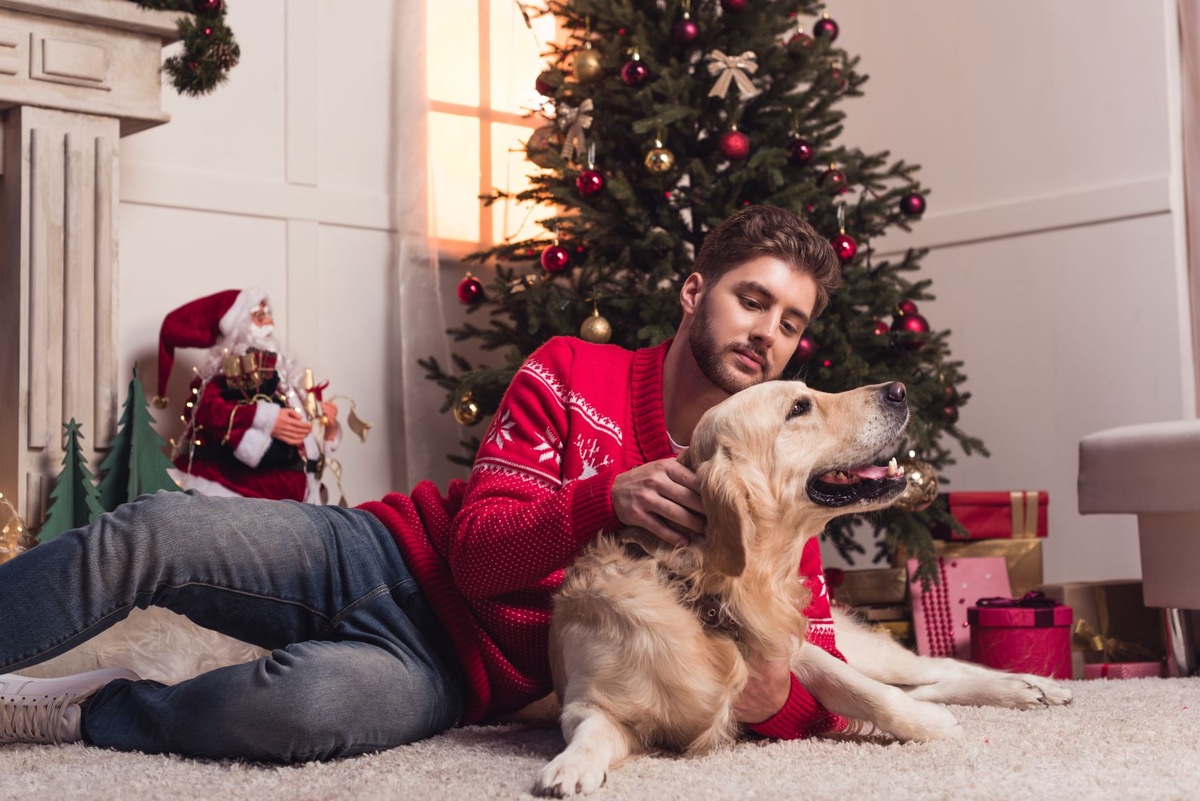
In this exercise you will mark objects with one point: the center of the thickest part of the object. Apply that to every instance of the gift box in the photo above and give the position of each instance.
(1031, 634)
(867, 587)
(882, 613)
(1021, 514)
(1124, 670)
(940, 610)
(1112, 624)
(1022, 558)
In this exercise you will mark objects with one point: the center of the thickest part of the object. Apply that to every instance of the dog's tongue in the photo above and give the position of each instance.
(870, 471)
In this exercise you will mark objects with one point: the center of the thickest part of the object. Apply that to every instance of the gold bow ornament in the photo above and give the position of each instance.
(737, 69)
(575, 121)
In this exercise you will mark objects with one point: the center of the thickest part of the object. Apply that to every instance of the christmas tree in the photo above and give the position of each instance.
(136, 464)
(75, 501)
(661, 120)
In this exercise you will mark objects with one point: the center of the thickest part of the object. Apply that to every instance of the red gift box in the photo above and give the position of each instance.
(1123, 670)
(996, 515)
(1022, 636)
(940, 610)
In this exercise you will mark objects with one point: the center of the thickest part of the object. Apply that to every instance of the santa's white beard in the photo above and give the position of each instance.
(259, 337)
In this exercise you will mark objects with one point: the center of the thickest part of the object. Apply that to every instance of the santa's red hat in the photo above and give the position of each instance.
(202, 323)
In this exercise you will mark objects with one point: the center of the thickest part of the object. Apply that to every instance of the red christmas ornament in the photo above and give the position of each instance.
(880, 328)
(834, 180)
(799, 43)
(913, 324)
(547, 83)
(208, 6)
(733, 6)
(685, 31)
(906, 307)
(734, 145)
(208, 31)
(806, 348)
(801, 150)
(809, 208)
(912, 204)
(826, 27)
(950, 413)
(950, 393)
(845, 246)
(635, 72)
(590, 183)
(555, 259)
(470, 290)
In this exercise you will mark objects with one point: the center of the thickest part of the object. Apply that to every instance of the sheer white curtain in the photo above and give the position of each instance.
(419, 325)
(1189, 55)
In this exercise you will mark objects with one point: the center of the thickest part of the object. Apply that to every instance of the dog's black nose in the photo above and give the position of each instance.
(895, 394)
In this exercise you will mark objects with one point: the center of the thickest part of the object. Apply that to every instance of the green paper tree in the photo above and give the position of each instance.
(692, 110)
(136, 464)
(75, 501)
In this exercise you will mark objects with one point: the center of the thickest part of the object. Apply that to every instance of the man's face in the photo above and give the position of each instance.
(748, 323)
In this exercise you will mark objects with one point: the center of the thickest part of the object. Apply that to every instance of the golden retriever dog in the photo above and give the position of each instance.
(649, 643)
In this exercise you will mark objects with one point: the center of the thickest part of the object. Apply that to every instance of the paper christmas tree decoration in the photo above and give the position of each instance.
(75, 501)
(136, 464)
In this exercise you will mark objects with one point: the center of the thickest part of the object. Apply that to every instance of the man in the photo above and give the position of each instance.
(378, 645)
(247, 433)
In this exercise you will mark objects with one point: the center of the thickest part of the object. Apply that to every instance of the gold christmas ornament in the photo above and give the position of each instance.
(467, 411)
(922, 486)
(586, 67)
(659, 160)
(596, 329)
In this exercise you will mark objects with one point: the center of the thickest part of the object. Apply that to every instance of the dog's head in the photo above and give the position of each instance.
(784, 458)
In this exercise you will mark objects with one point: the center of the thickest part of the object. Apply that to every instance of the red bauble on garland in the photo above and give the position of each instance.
(806, 348)
(635, 72)
(470, 290)
(547, 83)
(555, 259)
(912, 204)
(915, 326)
(950, 414)
(880, 328)
(834, 181)
(207, 7)
(799, 44)
(827, 28)
(906, 307)
(734, 145)
(686, 30)
(801, 150)
(733, 6)
(845, 246)
(590, 183)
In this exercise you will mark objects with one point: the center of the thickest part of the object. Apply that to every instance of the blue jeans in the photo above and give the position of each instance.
(358, 661)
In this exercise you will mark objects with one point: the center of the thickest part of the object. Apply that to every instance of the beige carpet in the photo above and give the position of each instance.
(1124, 740)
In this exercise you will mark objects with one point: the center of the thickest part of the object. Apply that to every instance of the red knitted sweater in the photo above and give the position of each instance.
(490, 555)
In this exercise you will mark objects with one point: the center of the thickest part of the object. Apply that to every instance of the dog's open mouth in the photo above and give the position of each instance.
(861, 484)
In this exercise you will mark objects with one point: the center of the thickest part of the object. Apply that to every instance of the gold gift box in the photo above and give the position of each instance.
(1023, 558)
(864, 587)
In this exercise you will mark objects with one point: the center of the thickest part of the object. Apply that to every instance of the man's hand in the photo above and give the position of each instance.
(329, 413)
(290, 427)
(767, 691)
(662, 498)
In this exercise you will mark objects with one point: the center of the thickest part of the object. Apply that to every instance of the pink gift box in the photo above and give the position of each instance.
(1021, 639)
(940, 612)
(1123, 670)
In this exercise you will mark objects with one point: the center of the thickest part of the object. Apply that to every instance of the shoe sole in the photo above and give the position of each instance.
(78, 685)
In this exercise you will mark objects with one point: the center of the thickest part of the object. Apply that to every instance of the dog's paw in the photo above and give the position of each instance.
(567, 775)
(1040, 691)
(924, 721)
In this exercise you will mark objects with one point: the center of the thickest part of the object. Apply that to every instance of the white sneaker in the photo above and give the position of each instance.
(47, 710)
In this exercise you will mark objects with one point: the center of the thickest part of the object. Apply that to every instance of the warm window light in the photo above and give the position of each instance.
(478, 125)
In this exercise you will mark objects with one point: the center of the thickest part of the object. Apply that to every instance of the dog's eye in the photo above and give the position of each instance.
(800, 407)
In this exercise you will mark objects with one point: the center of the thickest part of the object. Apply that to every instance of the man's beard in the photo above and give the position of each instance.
(710, 357)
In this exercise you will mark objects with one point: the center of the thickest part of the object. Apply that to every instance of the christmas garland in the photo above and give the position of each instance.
(209, 49)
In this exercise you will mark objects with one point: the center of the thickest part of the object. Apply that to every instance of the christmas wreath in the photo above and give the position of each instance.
(209, 49)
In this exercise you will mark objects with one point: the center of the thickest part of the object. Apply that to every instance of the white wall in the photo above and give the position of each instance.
(280, 180)
(1047, 132)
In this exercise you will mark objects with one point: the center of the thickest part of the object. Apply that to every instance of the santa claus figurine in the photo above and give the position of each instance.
(256, 427)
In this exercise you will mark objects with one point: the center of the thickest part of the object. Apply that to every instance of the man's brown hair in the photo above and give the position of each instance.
(771, 231)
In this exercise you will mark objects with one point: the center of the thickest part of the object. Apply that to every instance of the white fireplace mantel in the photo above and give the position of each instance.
(75, 76)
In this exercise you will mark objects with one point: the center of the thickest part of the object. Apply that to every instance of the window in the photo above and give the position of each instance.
(482, 60)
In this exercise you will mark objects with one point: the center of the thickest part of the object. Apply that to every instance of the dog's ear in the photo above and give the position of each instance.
(727, 507)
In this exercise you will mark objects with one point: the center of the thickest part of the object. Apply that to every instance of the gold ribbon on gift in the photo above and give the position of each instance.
(575, 121)
(733, 69)
(1024, 506)
(1109, 647)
